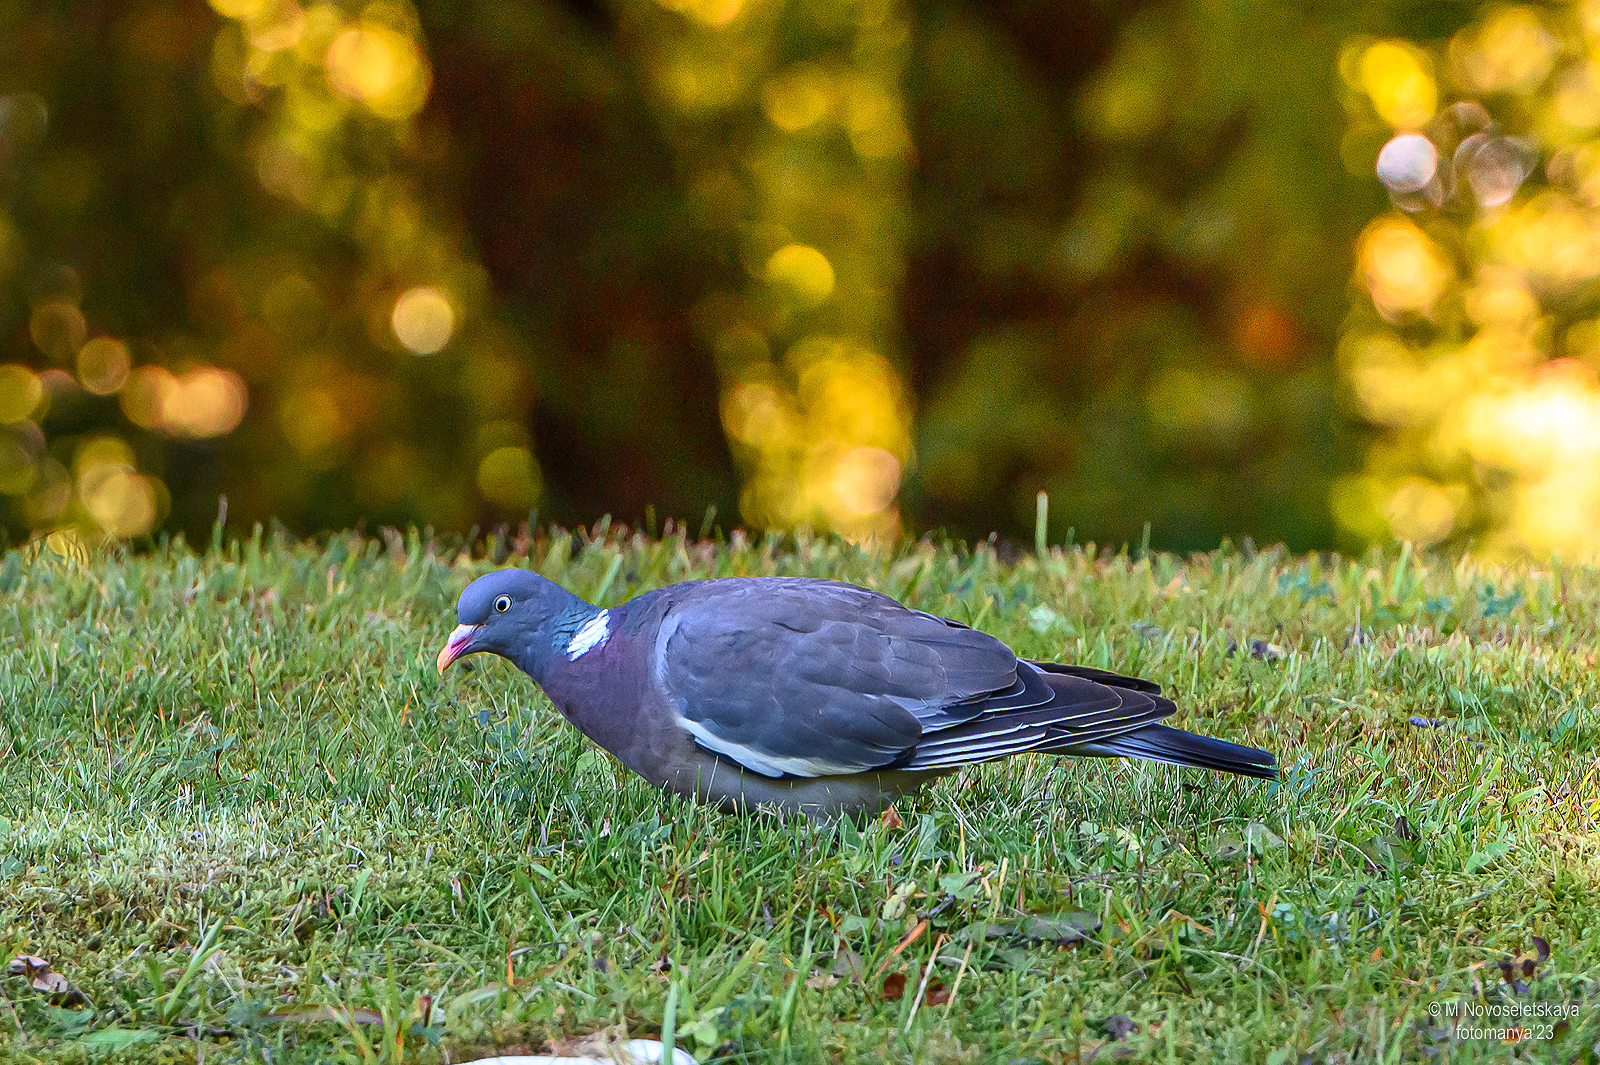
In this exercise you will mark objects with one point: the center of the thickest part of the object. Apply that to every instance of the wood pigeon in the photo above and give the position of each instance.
(811, 696)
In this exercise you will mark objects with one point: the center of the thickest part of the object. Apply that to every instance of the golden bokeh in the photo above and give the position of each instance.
(802, 270)
(712, 13)
(50, 494)
(143, 395)
(58, 329)
(816, 413)
(797, 98)
(381, 67)
(423, 319)
(509, 477)
(698, 83)
(850, 394)
(873, 119)
(1536, 426)
(774, 164)
(1552, 237)
(203, 402)
(21, 393)
(759, 416)
(1403, 269)
(103, 366)
(337, 94)
(863, 482)
(1399, 81)
(122, 503)
(98, 457)
(1577, 100)
(1420, 511)
(812, 400)
(117, 499)
(240, 9)
(831, 449)
(1510, 51)
(18, 470)
(1478, 368)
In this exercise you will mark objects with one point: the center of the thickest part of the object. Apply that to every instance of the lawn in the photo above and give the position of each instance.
(243, 818)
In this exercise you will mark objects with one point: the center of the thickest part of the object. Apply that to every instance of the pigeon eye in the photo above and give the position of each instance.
(502, 603)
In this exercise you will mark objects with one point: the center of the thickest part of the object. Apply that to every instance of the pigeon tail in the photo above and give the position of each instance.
(1163, 743)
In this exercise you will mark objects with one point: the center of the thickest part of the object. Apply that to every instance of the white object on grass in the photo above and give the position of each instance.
(633, 1052)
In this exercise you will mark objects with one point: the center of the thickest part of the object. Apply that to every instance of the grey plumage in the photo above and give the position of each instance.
(810, 695)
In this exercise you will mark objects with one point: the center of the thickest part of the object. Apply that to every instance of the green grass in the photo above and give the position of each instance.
(244, 818)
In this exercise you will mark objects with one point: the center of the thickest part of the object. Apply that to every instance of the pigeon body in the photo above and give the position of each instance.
(810, 696)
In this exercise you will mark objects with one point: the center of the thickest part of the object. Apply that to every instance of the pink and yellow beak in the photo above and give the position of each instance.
(456, 645)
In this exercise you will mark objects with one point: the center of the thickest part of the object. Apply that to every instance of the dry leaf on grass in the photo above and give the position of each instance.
(38, 972)
(602, 1044)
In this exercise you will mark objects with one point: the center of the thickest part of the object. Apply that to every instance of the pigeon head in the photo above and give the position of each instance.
(515, 614)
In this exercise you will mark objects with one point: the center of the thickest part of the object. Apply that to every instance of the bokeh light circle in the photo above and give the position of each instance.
(865, 480)
(103, 366)
(58, 329)
(1407, 163)
(510, 478)
(804, 271)
(423, 319)
(21, 391)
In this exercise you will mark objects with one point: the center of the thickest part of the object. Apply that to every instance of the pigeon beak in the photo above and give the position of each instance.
(457, 645)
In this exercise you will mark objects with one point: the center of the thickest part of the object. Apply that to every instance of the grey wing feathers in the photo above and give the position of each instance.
(1077, 711)
(811, 678)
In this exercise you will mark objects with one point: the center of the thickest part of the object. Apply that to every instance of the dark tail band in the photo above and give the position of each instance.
(1163, 743)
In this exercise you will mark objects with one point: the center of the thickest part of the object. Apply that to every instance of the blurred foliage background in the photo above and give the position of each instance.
(1320, 274)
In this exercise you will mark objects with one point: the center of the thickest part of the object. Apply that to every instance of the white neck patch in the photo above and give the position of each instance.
(592, 635)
